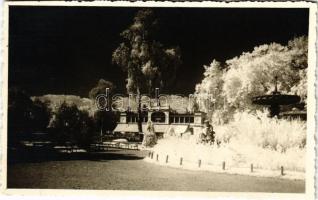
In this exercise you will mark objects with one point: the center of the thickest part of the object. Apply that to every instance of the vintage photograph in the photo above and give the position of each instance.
(141, 98)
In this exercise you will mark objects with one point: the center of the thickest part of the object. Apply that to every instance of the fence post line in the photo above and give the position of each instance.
(167, 157)
(252, 169)
(282, 170)
(181, 160)
(151, 155)
(223, 165)
(199, 163)
(157, 157)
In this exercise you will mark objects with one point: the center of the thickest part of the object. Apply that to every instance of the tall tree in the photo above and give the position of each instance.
(209, 91)
(73, 125)
(146, 61)
(105, 119)
(25, 116)
(41, 115)
(19, 115)
(252, 74)
(100, 88)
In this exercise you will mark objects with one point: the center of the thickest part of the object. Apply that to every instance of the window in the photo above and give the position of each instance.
(158, 117)
(191, 119)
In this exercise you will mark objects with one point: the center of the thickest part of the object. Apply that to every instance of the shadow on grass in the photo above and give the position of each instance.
(45, 155)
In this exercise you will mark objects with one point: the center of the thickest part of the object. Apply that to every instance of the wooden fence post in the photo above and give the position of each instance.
(199, 163)
(223, 165)
(151, 155)
(167, 157)
(157, 158)
(282, 170)
(252, 167)
(181, 159)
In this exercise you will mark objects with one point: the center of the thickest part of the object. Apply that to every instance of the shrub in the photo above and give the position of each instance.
(73, 126)
(268, 143)
(259, 130)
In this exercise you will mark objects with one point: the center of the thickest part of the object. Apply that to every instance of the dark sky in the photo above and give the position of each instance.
(66, 50)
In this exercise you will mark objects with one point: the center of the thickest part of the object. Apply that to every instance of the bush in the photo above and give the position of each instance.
(268, 143)
(73, 126)
(25, 116)
(259, 130)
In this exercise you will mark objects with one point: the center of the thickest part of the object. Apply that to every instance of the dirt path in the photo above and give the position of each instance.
(125, 170)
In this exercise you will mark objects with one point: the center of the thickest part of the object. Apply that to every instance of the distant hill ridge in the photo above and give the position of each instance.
(177, 103)
(56, 100)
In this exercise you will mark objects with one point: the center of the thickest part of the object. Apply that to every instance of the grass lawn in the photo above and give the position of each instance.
(125, 170)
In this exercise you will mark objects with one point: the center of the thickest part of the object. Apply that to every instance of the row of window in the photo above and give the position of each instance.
(133, 119)
(181, 120)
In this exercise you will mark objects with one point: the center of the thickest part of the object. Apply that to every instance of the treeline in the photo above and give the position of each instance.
(65, 125)
(232, 84)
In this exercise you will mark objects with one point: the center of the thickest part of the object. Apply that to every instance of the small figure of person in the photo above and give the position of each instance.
(212, 135)
(209, 133)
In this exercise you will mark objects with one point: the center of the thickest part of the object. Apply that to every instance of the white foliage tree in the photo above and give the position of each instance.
(252, 74)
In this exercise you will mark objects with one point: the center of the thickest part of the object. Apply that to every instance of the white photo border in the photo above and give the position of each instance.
(311, 101)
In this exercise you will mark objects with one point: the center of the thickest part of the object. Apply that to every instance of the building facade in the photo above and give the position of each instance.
(165, 121)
